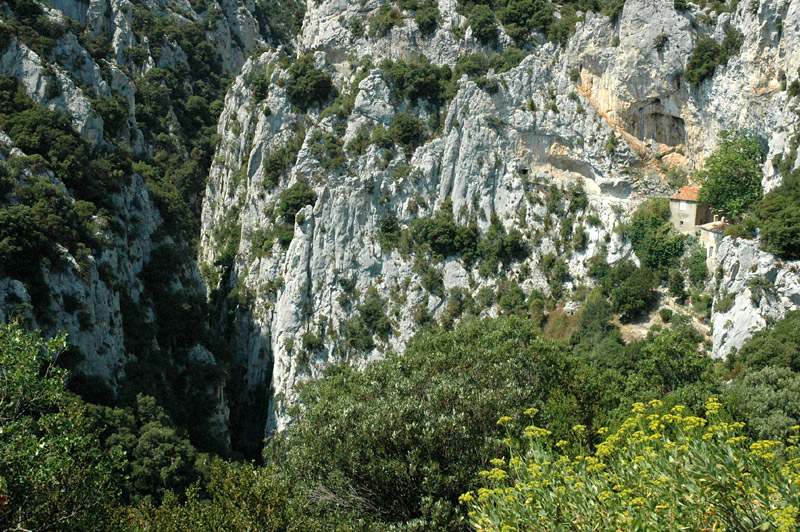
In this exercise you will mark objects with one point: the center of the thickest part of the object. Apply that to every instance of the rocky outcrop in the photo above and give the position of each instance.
(754, 290)
(552, 121)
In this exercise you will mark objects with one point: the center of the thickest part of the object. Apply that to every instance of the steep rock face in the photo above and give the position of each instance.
(755, 289)
(640, 88)
(99, 56)
(496, 155)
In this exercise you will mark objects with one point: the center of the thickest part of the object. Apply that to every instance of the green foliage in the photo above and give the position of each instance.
(466, 376)
(778, 346)
(611, 143)
(236, 497)
(114, 112)
(634, 293)
(656, 243)
(408, 131)
(54, 475)
(557, 274)
(676, 285)
(521, 17)
(38, 130)
(731, 176)
(769, 398)
(660, 41)
(778, 216)
(389, 232)
(418, 79)
(327, 148)
(278, 162)
(384, 20)
(293, 199)
(708, 55)
(307, 85)
(676, 177)
(703, 61)
(481, 20)
(695, 264)
(427, 19)
(159, 457)
(660, 471)
(613, 9)
(665, 314)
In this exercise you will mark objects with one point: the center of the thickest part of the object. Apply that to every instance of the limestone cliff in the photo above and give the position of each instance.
(603, 115)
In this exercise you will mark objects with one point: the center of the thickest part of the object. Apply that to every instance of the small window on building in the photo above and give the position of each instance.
(683, 206)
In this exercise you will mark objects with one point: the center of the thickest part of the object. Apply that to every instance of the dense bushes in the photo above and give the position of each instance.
(655, 241)
(408, 131)
(393, 446)
(307, 85)
(731, 176)
(778, 218)
(368, 439)
(293, 199)
(708, 55)
(54, 475)
(384, 20)
(442, 237)
(521, 17)
(279, 161)
(661, 470)
(481, 20)
(418, 79)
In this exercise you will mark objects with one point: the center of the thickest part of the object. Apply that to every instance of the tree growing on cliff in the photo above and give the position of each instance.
(307, 85)
(731, 177)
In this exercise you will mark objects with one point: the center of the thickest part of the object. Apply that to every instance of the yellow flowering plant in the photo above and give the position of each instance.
(662, 470)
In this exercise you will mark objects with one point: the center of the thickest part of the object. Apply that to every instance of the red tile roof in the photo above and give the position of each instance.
(687, 193)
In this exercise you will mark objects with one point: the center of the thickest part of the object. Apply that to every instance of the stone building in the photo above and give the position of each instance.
(686, 212)
(710, 236)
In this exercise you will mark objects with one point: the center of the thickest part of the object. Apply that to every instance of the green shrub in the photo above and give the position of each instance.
(703, 61)
(389, 232)
(681, 5)
(481, 20)
(661, 470)
(708, 55)
(655, 241)
(293, 199)
(665, 314)
(307, 85)
(521, 17)
(613, 9)
(695, 263)
(278, 162)
(660, 41)
(564, 27)
(731, 176)
(778, 346)
(53, 467)
(408, 131)
(427, 18)
(634, 294)
(418, 79)
(327, 148)
(467, 376)
(778, 216)
(384, 20)
(611, 143)
(726, 303)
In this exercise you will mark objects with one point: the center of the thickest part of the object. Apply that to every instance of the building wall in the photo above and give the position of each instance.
(711, 241)
(683, 215)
